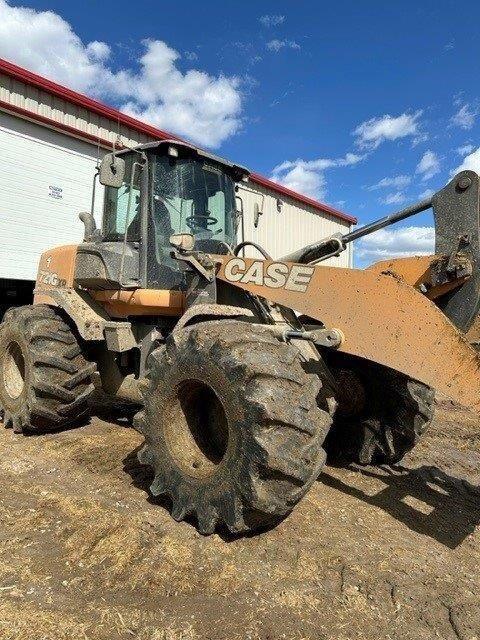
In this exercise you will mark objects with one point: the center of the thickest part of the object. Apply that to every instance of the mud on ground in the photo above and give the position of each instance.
(370, 553)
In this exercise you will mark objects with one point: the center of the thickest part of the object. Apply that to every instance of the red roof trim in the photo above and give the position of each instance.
(23, 75)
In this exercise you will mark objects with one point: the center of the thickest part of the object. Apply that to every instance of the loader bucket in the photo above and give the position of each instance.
(412, 314)
(457, 231)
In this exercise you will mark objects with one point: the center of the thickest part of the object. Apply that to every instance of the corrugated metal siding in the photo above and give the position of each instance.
(42, 103)
(288, 227)
(35, 164)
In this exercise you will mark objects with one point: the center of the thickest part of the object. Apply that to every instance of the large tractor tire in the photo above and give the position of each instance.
(45, 381)
(381, 413)
(232, 427)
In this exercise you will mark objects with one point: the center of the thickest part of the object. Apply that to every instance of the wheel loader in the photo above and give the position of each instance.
(246, 370)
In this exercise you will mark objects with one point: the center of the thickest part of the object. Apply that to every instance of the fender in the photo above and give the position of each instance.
(202, 312)
(89, 317)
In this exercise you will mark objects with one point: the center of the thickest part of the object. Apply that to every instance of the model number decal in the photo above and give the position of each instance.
(276, 275)
(51, 279)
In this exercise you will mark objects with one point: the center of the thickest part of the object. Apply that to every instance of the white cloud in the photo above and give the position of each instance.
(307, 176)
(465, 149)
(465, 117)
(275, 45)
(428, 166)
(350, 158)
(371, 133)
(472, 162)
(397, 182)
(393, 198)
(421, 137)
(191, 55)
(428, 193)
(196, 105)
(396, 243)
(51, 48)
(272, 21)
(98, 50)
(303, 180)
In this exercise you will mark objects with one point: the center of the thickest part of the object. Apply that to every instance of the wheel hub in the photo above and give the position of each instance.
(14, 371)
(196, 431)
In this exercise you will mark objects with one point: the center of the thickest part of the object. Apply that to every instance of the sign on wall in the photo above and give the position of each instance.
(55, 192)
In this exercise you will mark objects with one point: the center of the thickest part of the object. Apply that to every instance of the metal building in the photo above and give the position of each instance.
(50, 141)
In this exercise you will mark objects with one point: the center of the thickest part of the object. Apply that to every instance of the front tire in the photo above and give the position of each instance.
(45, 381)
(231, 424)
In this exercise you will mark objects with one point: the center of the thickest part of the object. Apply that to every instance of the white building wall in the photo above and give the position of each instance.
(286, 224)
(45, 181)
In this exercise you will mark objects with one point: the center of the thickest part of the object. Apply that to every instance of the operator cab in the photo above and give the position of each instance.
(153, 192)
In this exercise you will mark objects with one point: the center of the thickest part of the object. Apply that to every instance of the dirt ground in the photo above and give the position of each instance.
(370, 553)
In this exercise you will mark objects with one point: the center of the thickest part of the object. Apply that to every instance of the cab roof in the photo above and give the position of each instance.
(239, 171)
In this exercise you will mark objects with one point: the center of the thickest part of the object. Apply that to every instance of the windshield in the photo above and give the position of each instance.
(193, 196)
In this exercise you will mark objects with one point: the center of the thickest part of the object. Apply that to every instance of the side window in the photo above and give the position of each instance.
(117, 203)
(216, 204)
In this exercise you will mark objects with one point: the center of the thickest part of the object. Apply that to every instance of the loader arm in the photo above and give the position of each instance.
(456, 211)
(382, 317)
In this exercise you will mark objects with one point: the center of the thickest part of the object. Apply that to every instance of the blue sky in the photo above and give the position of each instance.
(365, 105)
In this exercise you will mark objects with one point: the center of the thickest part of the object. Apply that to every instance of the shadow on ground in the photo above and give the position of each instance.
(427, 500)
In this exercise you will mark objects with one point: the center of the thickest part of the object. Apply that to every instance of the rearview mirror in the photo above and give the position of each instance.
(256, 214)
(112, 171)
(183, 241)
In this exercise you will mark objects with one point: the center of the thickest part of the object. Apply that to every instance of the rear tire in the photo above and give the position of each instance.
(231, 424)
(45, 381)
(381, 413)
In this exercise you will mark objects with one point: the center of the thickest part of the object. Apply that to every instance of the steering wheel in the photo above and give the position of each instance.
(192, 221)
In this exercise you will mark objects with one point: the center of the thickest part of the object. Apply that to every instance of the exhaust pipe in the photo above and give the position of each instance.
(90, 226)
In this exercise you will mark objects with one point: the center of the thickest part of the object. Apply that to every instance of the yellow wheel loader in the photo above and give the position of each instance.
(246, 370)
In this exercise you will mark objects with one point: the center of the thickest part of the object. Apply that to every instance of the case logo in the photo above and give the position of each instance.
(276, 275)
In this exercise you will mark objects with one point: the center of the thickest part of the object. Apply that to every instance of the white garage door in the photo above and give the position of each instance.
(46, 179)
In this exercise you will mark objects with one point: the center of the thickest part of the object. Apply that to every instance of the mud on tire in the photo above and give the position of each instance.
(231, 424)
(381, 414)
(45, 381)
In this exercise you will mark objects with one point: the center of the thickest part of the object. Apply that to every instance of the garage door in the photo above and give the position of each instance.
(46, 179)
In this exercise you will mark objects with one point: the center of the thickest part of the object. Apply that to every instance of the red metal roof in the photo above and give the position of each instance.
(23, 75)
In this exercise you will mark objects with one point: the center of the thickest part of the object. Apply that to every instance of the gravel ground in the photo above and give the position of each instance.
(389, 552)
